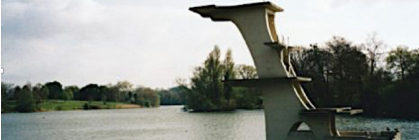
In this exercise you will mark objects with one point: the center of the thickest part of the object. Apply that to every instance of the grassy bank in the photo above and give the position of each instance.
(55, 105)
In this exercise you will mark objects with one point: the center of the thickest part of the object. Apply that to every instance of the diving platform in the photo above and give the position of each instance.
(264, 81)
(286, 105)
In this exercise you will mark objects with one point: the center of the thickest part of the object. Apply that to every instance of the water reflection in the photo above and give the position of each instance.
(164, 123)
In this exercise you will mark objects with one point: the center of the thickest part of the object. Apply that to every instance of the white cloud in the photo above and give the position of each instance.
(153, 42)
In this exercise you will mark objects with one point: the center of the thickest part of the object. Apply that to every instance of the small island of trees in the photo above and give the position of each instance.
(344, 74)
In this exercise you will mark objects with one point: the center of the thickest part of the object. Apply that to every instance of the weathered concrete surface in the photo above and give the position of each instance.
(286, 105)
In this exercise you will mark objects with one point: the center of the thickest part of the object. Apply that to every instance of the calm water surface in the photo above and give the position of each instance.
(164, 123)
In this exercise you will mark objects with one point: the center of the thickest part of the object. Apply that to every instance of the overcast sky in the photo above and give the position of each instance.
(153, 42)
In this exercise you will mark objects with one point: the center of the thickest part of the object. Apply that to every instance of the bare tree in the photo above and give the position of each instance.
(373, 48)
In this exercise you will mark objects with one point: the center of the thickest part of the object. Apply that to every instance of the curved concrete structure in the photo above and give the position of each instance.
(286, 105)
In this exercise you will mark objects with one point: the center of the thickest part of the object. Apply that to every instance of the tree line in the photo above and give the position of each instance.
(362, 76)
(384, 84)
(207, 92)
(27, 98)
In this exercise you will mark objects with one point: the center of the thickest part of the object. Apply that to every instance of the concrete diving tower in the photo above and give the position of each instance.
(286, 105)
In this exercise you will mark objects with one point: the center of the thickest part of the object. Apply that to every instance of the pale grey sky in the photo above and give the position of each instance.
(151, 43)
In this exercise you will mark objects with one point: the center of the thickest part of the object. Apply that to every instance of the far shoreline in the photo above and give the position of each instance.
(70, 105)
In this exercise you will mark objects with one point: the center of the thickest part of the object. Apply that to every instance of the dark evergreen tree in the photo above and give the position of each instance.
(55, 90)
(25, 101)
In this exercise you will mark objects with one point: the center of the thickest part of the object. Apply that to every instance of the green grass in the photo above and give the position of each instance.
(53, 105)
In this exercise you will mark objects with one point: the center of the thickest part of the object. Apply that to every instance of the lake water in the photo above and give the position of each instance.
(164, 123)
